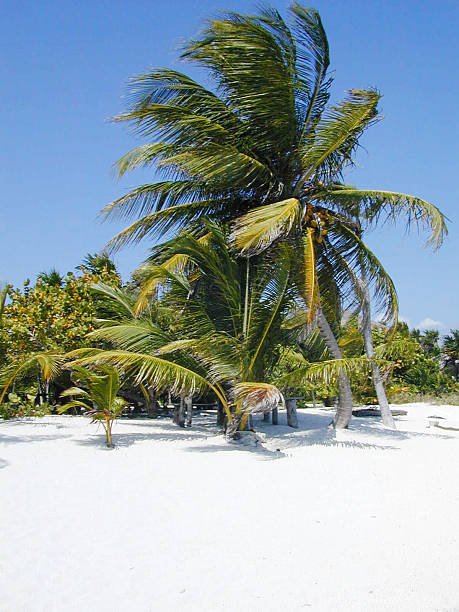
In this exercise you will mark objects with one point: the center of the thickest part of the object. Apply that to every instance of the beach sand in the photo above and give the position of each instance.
(173, 519)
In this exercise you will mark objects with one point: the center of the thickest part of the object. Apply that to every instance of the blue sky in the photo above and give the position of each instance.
(63, 71)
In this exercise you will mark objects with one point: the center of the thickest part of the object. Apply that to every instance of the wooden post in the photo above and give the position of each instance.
(313, 393)
(275, 415)
(189, 409)
(249, 424)
(266, 416)
(292, 417)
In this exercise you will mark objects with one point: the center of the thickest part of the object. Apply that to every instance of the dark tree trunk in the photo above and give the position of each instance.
(181, 412)
(275, 416)
(266, 416)
(344, 410)
(151, 403)
(220, 414)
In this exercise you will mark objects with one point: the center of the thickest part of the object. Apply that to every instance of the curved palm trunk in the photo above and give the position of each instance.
(344, 411)
(386, 414)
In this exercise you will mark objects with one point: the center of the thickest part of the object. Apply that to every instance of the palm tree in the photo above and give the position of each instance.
(265, 141)
(227, 332)
(52, 278)
(100, 400)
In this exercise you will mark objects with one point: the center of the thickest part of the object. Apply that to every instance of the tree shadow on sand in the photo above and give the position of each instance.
(32, 438)
(315, 430)
(168, 433)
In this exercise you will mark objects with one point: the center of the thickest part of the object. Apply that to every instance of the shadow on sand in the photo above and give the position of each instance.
(270, 441)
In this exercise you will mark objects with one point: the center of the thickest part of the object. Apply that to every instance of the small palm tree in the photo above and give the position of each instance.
(53, 278)
(226, 333)
(99, 399)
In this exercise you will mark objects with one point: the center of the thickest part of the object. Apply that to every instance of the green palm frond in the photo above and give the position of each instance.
(265, 321)
(350, 256)
(253, 71)
(177, 124)
(135, 335)
(161, 222)
(324, 371)
(74, 392)
(48, 364)
(152, 197)
(175, 89)
(156, 372)
(336, 135)
(120, 301)
(371, 204)
(212, 162)
(403, 348)
(312, 61)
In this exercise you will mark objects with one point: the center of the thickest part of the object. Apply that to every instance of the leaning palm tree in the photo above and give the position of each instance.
(264, 139)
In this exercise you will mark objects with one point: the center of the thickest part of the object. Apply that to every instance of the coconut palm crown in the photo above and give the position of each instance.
(264, 136)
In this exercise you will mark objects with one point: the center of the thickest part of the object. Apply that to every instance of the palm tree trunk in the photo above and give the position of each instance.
(220, 414)
(108, 431)
(344, 411)
(189, 409)
(181, 412)
(386, 414)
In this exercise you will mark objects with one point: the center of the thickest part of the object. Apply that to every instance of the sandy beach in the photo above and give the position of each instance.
(179, 519)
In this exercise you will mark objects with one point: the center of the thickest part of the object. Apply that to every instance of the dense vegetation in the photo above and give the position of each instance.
(266, 287)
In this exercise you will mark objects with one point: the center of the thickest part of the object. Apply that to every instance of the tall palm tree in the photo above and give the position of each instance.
(264, 140)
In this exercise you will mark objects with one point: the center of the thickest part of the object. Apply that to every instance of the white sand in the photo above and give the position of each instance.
(358, 520)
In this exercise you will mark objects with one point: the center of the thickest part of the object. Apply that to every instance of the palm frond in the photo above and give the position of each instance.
(336, 135)
(119, 300)
(252, 62)
(135, 335)
(156, 372)
(312, 61)
(260, 227)
(152, 197)
(371, 204)
(257, 397)
(48, 364)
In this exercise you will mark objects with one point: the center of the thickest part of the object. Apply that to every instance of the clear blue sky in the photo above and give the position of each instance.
(63, 71)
